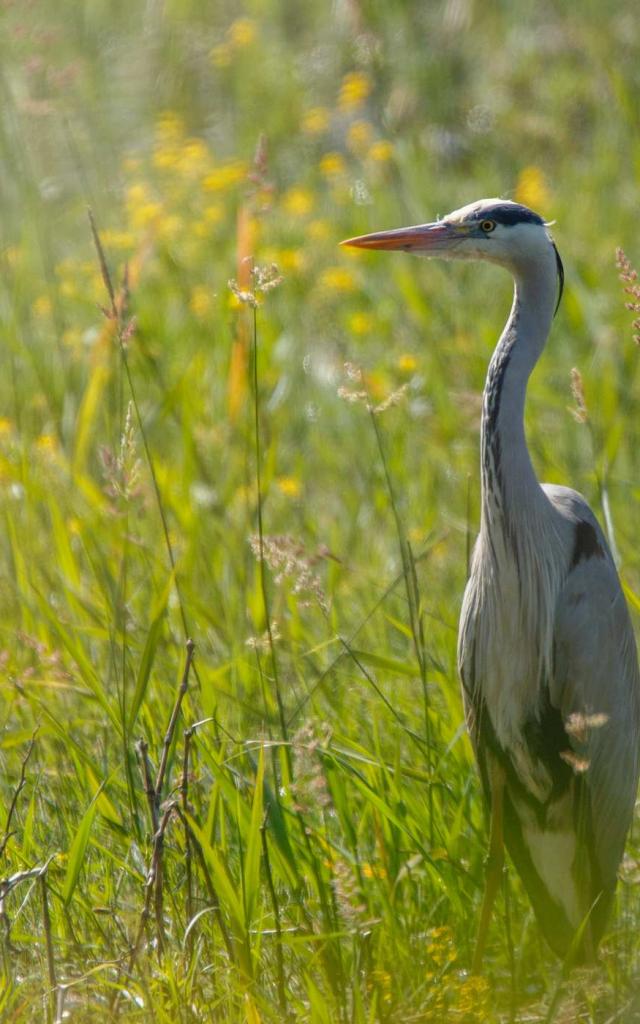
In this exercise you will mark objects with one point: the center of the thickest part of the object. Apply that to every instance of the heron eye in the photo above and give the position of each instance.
(487, 226)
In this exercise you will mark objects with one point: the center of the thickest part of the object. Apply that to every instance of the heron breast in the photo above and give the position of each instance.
(506, 646)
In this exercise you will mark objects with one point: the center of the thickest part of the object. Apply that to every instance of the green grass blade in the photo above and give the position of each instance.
(78, 849)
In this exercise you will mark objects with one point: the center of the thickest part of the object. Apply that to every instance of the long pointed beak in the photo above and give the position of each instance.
(422, 238)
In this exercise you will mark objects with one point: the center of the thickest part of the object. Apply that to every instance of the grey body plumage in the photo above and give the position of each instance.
(546, 650)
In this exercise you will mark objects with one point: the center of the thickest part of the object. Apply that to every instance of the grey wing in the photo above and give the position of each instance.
(596, 686)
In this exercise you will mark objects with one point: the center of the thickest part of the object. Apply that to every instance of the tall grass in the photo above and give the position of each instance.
(282, 822)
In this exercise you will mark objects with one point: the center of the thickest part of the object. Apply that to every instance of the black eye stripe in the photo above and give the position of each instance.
(509, 214)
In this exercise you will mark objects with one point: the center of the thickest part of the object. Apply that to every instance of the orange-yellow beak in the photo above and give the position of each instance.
(422, 238)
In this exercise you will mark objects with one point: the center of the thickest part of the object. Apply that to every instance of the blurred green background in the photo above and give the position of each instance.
(209, 140)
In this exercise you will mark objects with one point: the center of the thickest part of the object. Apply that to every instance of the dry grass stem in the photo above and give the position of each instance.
(168, 738)
(16, 794)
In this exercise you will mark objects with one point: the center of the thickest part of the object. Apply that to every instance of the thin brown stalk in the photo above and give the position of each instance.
(153, 886)
(14, 799)
(104, 268)
(142, 751)
(173, 721)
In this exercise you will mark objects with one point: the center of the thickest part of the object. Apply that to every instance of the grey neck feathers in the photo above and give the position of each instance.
(510, 488)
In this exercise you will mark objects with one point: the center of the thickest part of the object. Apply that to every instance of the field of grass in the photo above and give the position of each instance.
(287, 826)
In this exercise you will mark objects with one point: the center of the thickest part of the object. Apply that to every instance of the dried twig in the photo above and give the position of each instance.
(171, 728)
(14, 800)
(7, 885)
(153, 885)
(142, 752)
(153, 790)
(104, 268)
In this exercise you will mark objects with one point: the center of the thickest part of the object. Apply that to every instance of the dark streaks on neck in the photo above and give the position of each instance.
(491, 443)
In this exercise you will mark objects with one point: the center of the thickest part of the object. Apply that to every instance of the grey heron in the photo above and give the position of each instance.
(546, 650)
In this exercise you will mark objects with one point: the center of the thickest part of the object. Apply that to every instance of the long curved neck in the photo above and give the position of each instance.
(509, 485)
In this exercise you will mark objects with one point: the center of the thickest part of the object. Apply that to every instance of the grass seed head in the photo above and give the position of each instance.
(287, 558)
(629, 277)
(579, 411)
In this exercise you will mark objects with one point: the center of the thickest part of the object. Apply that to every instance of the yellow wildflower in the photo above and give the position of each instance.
(298, 201)
(369, 871)
(360, 323)
(212, 214)
(407, 363)
(315, 121)
(169, 127)
(532, 189)
(441, 946)
(200, 301)
(332, 165)
(146, 214)
(288, 259)
(6, 426)
(225, 176)
(381, 151)
(289, 485)
(166, 157)
(338, 279)
(42, 306)
(137, 194)
(354, 90)
(382, 980)
(194, 157)
(359, 136)
(170, 227)
(117, 239)
(47, 444)
(242, 32)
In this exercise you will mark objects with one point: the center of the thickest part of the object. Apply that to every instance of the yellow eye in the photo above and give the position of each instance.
(487, 226)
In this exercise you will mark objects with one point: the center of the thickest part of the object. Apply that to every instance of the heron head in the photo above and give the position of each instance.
(496, 230)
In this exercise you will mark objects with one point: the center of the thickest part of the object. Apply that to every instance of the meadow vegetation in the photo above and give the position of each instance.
(216, 426)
